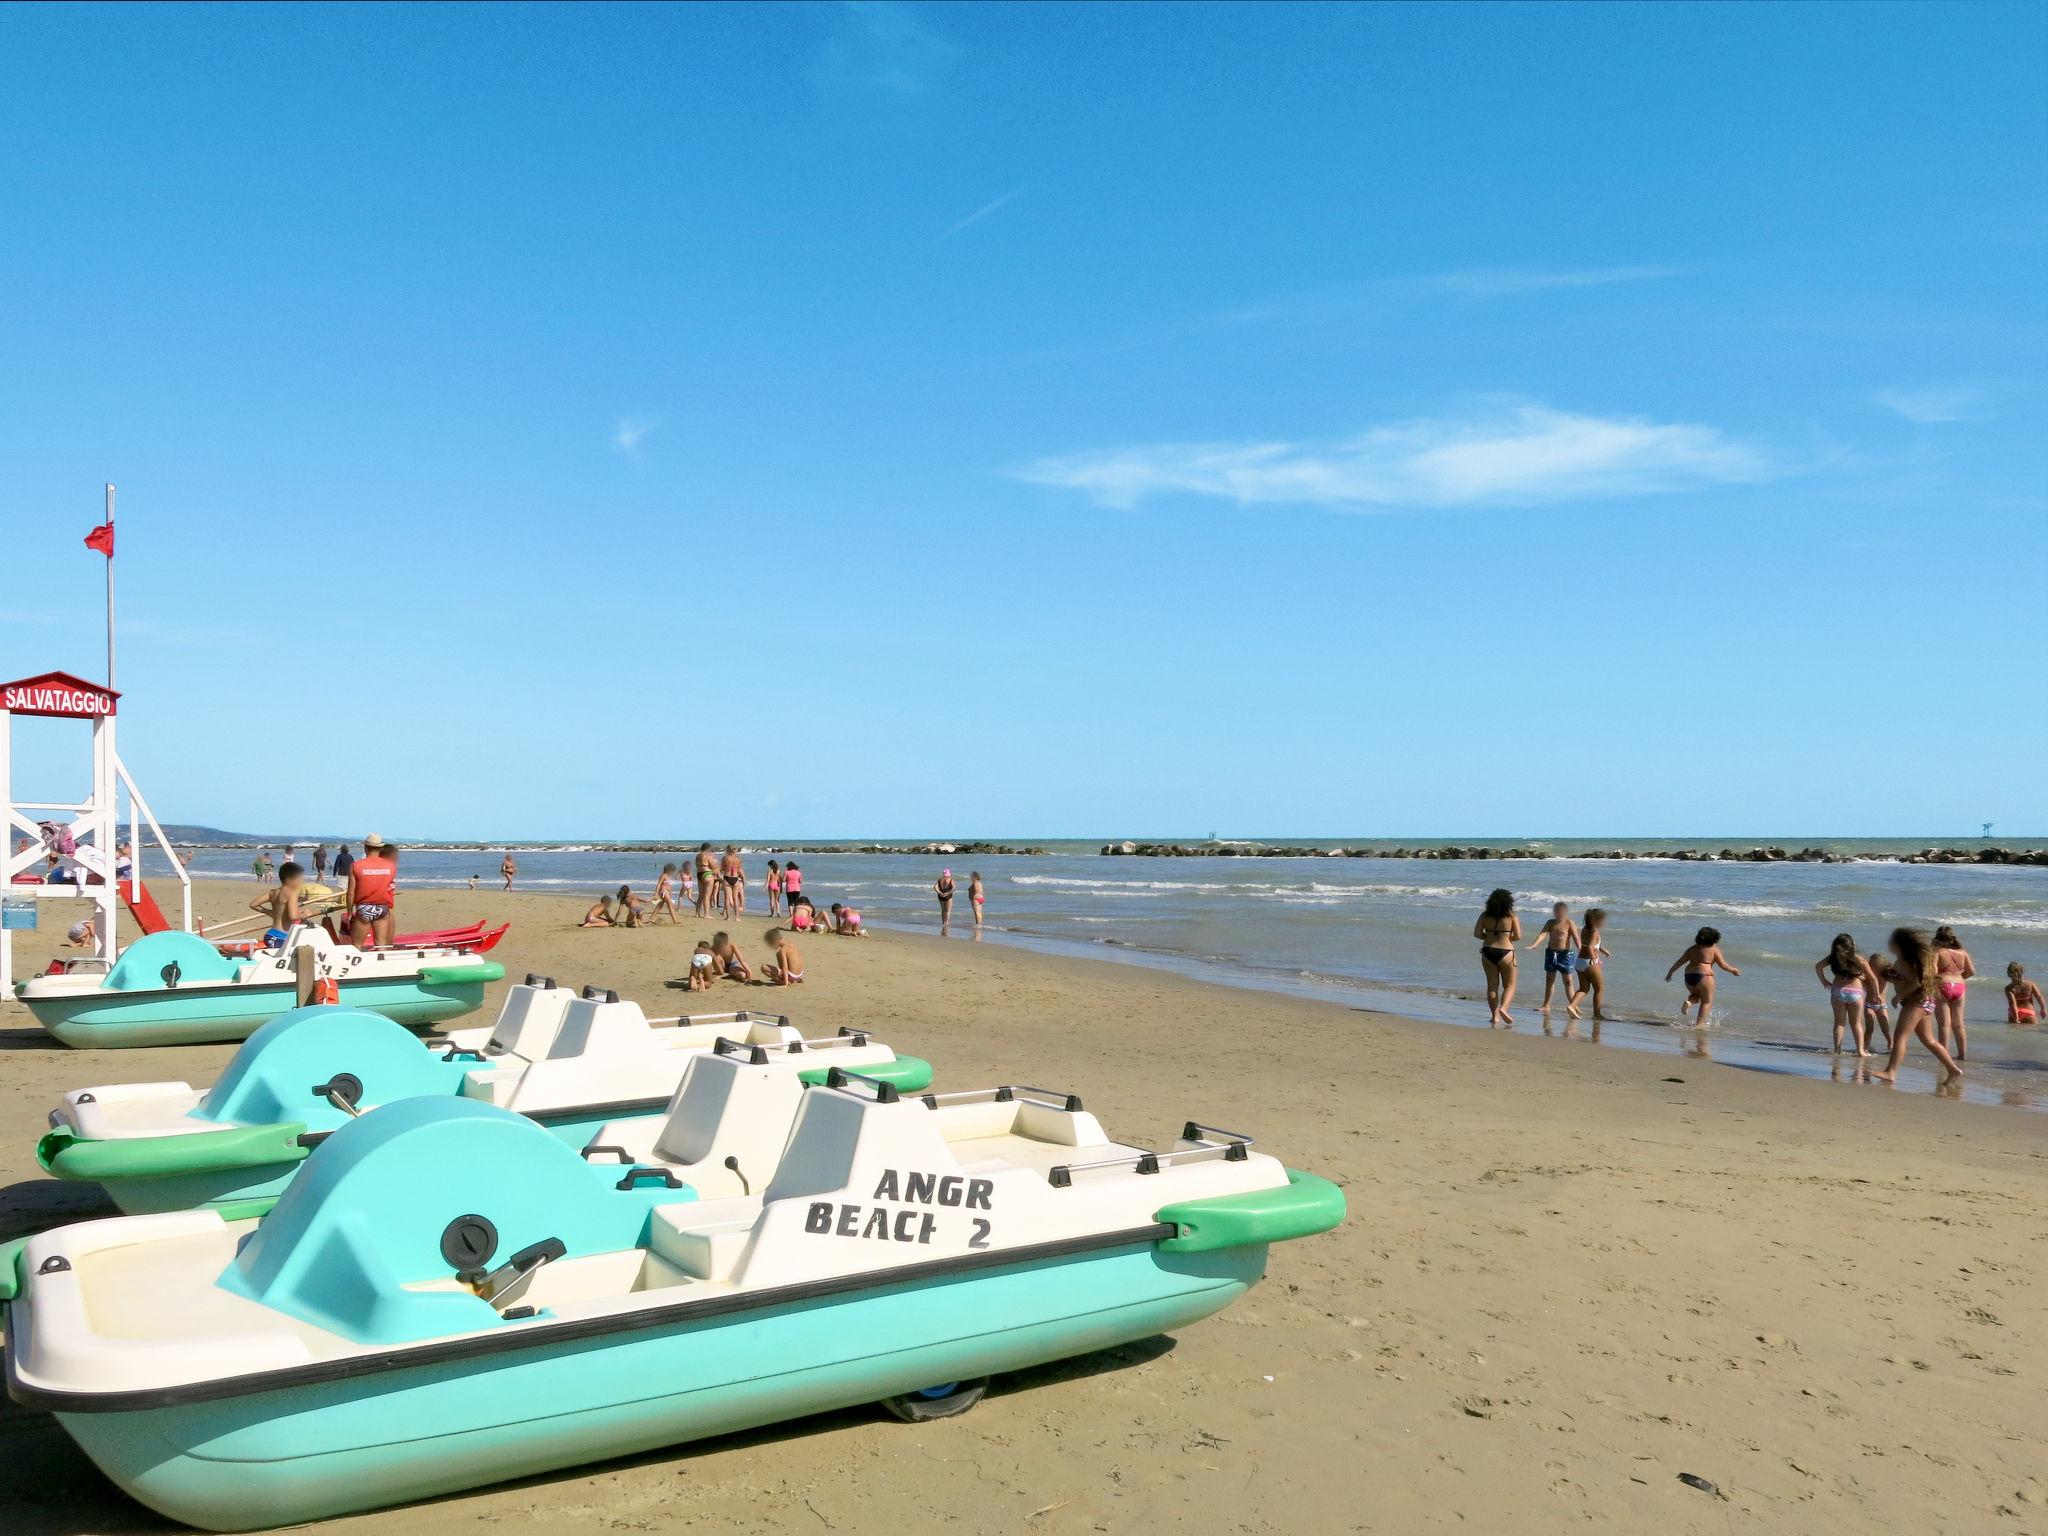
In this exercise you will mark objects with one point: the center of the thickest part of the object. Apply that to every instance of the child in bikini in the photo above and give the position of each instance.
(1701, 959)
(2024, 1003)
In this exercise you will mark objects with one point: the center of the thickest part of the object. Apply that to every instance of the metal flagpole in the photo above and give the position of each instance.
(110, 597)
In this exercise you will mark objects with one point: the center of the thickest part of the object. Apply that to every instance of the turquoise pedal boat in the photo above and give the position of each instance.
(177, 989)
(449, 1296)
(571, 1063)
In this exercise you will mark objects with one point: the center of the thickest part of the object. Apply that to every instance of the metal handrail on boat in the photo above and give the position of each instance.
(1009, 1093)
(1232, 1149)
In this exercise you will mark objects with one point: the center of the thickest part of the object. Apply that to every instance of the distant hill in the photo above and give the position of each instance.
(184, 832)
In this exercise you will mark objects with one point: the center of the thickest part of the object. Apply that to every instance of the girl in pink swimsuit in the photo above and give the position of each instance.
(2024, 1004)
(1953, 969)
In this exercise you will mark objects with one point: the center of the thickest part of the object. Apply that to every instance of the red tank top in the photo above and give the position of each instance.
(376, 880)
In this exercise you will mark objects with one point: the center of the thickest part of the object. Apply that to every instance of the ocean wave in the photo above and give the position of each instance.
(1119, 885)
(1731, 908)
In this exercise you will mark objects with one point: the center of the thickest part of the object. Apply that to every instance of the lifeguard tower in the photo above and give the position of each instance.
(87, 841)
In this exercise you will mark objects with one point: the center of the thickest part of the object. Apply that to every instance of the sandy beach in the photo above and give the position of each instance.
(1569, 1275)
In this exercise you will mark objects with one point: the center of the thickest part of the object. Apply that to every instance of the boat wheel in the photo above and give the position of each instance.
(940, 1402)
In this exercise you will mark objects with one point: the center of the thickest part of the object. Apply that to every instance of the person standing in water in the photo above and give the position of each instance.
(1701, 959)
(508, 869)
(1953, 970)
(1498, 932)
(976, 895)
(943, 889)
(1560, 940)
(1915, 984)
(1876, 1014)
(320, 863)
(1851, 983)
(1593, 953)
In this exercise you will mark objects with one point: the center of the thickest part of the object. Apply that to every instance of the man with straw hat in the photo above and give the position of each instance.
(373, 893)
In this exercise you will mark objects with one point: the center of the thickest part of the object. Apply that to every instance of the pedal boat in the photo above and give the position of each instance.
(451, 1297)
(570, 1063)
(178, 989)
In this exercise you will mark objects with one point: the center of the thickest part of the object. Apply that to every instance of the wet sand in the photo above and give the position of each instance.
(1570, 1274)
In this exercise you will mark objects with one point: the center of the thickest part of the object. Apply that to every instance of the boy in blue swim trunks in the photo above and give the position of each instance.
(1560, 940)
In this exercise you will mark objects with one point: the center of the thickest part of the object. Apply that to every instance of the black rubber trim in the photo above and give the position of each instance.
(548, 1334)
(614, 1108)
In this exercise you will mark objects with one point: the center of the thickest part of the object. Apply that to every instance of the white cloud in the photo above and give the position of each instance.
(1489, 283)
(975, 217)
(630, 433)
(885, 46)
(1526, 455)
(1929, 405)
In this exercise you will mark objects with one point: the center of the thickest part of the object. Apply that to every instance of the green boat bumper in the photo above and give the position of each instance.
(69, 1156)
(456, 975)
(1302, 1207)
(911, 1074)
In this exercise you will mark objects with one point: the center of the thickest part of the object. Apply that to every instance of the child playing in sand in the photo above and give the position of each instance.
(1851, 984)
(726, 957)
(600, 915)
(702, 967)
(1560, 940)
(83, 934)
(2024, 1003)
(1701, 960)
(629, 910)
(787, 968)
(847, 921)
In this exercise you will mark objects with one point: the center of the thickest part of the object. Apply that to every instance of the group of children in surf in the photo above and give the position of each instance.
(1929, 980)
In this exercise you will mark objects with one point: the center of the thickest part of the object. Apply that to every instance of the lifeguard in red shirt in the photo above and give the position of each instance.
(372, 893)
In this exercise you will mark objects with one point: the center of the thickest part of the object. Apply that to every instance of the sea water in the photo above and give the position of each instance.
(1396, 934)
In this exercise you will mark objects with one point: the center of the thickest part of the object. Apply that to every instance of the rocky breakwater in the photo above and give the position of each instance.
(1769, 854)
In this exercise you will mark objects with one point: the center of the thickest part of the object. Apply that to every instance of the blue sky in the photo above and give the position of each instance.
(891, 420)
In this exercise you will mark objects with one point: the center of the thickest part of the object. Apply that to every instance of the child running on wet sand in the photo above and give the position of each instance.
(2024, 1003)
(1701, 960)
(1593, 952)
(787, 968)
(1915, 983)
(1559, 938)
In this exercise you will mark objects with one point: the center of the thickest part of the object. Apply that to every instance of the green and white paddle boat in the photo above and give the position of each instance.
(449, 1296)
(175, 988)
(569, 1062)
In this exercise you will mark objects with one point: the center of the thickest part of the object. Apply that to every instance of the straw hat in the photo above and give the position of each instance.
(374, 841)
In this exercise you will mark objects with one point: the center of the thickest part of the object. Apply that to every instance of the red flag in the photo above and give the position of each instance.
(102, 539)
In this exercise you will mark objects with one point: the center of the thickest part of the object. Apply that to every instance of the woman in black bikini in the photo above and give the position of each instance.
(1498, 932)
